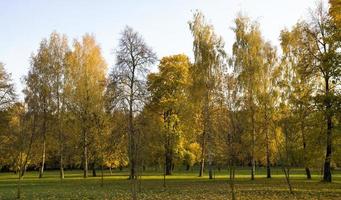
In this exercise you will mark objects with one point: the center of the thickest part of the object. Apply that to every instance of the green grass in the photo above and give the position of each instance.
(180, 185)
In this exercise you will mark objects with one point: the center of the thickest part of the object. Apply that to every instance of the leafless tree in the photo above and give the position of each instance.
(127, 85)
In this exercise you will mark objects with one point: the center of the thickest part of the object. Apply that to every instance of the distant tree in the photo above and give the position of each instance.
(168, 90)
(235, 126)
(267, 98)
(7, 98)
(44, 88)
(38, 94)
(209, 52)
(84, 90)
(7, 93)
(301, 82)
(324, 48)
(133, 60)
(248, 63)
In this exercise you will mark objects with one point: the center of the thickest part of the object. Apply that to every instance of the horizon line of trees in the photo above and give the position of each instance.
(252, 108)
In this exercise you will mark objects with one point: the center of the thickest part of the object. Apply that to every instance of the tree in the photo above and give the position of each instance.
(208, 51)
(248, 62)
(235, 125)
(325, 51)
(44, 88)
(84, 90)
(59, 50)
(168, 90)
(301, 82)
(7, 93)
(267, 97)
(334, 12)
(7, 98)
(133, 60)
(38, 94)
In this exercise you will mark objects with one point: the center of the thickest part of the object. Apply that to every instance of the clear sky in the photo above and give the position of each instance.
(162, 23)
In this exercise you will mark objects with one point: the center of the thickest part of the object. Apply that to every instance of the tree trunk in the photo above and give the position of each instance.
(168, 163)
(85, 155)
(29, 147)
(20, 178)
(132, 145)
(253, 162)
(164, 174)
(268, 169)
(203, 149)
(232, 176)
(210, 168)
(102, 175)
(41, 170)
(61, 165)
(327, 176)
(287, 178)
(61, 159)
(307, 170)
(94, 169)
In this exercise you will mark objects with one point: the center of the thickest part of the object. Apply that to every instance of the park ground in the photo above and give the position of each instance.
(181, 185)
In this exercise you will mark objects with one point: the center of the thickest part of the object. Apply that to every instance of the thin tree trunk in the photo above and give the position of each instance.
(327, 175)
(61, 162)
(232, 176)
(164, 174)
(307, 170)
(20, 177)
(41, 171)
(168, 162)
(253, 162)
(61, 159)
(210, 168)
(60, 134)
(85, 154)
(29, 147)
(94, 169)
(203, 149)
(287, 178)
(268, 169)
(102, 175)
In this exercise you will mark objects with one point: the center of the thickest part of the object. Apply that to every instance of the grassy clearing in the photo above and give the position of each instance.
(181, 185)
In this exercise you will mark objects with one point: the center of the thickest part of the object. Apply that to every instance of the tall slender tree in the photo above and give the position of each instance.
(325, 51)
(84, 89)
(248, 61)
(133, 61)
(297, 63)
(209, 52)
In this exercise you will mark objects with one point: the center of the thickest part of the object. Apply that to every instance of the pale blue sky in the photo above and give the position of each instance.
(162, 23)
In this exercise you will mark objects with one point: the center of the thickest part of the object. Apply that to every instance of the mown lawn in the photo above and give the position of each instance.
(181, 185)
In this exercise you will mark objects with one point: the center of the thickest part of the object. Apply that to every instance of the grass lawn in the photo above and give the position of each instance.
(180, 185)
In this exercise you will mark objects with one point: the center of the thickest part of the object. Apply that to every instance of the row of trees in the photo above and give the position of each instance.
(254, 107)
